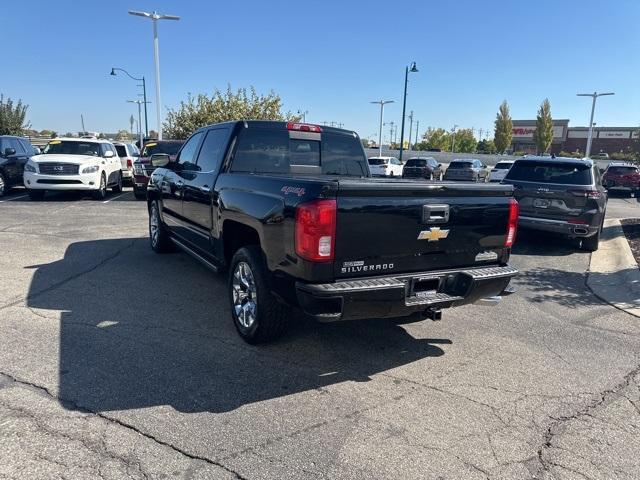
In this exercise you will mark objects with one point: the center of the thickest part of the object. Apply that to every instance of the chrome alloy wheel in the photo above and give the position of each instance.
(154, 224)
(245, 295)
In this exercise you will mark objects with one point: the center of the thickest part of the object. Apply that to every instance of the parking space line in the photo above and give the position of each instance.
(13, 198)
(117, 196)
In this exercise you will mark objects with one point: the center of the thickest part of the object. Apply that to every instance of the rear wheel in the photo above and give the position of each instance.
(117, 188)
(591, 244)
(138, 193)
(257, 315)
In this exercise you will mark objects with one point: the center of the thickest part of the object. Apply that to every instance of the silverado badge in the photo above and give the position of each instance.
(433, 234)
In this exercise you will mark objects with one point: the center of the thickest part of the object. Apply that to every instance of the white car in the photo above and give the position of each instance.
(500, 170)
(128, 152)
(385, 167)
(85, 164)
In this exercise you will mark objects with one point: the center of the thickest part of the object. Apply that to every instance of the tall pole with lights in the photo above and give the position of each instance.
(144, 94)
(382, 103)
(154, 16)
(594, 96)
(413, 69)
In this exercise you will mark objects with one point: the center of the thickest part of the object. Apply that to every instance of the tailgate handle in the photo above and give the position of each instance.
(435, 213)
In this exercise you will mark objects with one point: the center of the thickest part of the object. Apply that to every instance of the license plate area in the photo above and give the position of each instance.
(424, 287)
(541, 203)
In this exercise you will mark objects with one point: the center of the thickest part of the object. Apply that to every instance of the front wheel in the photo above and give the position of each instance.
(101, 193)
(257, 315)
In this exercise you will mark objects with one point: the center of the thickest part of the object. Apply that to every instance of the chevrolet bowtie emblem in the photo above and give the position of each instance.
(433, 234)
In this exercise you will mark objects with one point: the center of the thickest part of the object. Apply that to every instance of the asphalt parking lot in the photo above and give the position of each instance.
(119, 363)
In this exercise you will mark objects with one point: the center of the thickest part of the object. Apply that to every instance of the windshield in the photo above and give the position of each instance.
(416, 162)
(378, 161)
(72, 148)
(550, 172)
(170, 148)
(272, 151)
(503, 166)
(622, 170)
(455, 165)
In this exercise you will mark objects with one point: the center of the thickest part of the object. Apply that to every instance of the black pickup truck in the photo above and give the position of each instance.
(291, 211)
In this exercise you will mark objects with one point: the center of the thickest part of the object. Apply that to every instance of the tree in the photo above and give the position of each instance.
(435, 139)
(486, 146)
(503, 128)
(12, 117)
(123, 135)
(465, 142)
(365, 142)
(543, 136)
(221, 107)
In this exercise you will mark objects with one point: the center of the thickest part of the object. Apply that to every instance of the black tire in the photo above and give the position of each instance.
(36, 194)
(4, 188)
(158, 236)
(392, 174)
(117, 188)
(139, 194)
(101, 193)
(269, 317)
(591, 244)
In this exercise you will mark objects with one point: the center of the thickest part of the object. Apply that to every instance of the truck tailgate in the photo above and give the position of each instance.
(386, 226)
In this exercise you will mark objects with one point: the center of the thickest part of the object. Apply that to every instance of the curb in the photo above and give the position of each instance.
(613, 272)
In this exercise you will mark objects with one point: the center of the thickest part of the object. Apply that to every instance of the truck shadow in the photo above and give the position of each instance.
(141, 330)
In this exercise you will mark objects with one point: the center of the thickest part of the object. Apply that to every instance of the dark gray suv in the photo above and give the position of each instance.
(467, 169)
(561, 195)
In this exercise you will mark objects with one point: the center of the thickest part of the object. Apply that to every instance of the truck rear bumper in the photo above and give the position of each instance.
(401, 295)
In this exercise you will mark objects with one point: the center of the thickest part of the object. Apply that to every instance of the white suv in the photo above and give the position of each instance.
(385, 166)
(74, 164)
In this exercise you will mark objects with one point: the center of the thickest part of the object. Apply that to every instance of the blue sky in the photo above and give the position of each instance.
(329, 57)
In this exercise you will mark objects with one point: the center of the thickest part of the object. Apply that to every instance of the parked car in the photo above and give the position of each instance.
(600, 156)
(422, 167)
(142, 167)
(385, 167)
(127, 152)
(500, 170)
(289, 211)
(561, 195)
(74, 164)
(467, 169)
(622, 177)
(14, 153)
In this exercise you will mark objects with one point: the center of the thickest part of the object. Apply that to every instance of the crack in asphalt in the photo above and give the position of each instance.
(556, 428)
(71, 405)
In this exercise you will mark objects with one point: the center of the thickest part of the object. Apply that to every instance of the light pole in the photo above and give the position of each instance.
(144, 94)
(154, 16)
(303, 115)
(453, 137)
(413, 69)
(594, 95)
(410, 128)
(382, 103)
(139, 102)
(417, 128)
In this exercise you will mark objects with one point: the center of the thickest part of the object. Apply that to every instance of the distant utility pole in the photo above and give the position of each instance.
(82, 121)
(382, 103)
(594, 95)
(303, 115)
(417, 128)
(480, 133)
(410, 127)
(453, 137)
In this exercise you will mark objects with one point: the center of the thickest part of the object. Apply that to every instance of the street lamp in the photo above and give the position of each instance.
(453, 137)
(413, 69)
(144, 94)
(594, 95)
(139, 102)
(154, 16)
(382, 103)
(303, 115)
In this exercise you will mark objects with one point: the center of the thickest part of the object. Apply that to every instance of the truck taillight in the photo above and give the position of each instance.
(304, 127)
(129, 163)
(316, 230)
(512, 225)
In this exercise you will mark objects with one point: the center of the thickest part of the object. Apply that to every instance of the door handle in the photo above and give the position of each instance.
(179, 183)
(205, 189)
(435, 214)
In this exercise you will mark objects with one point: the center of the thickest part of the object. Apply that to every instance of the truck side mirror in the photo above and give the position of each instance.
(9, 151)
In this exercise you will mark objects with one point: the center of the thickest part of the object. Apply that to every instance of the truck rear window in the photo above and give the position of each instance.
(551, 172)
(272, 151)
